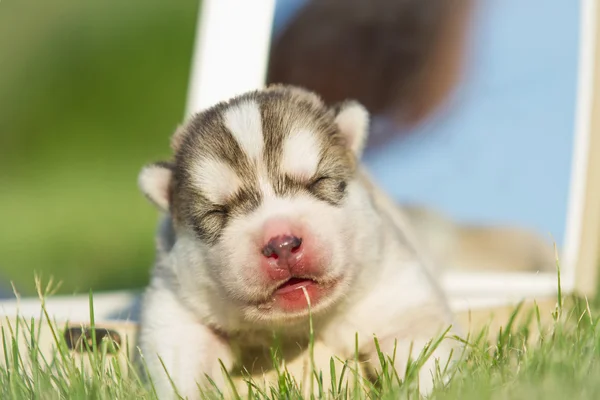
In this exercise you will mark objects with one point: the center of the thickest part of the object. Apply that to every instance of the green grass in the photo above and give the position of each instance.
(563, 362)
(89, 92)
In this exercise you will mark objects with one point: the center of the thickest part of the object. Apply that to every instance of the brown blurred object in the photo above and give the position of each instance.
(401, 58)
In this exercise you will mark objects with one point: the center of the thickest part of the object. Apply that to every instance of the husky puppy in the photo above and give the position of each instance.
(268, 215)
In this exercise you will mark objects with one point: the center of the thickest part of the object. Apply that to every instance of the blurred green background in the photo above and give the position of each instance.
(89, 92)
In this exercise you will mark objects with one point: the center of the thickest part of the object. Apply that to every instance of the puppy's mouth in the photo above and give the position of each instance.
(293, 284)
(296, 294)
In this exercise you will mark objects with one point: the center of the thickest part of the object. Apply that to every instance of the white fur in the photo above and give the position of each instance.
(353, 121)
(154, 183)
(265, 186)
(300, 154)
(184, 345)
(216, 179)
(245, 124)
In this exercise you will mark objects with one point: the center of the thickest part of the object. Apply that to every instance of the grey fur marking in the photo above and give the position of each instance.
(282, 110)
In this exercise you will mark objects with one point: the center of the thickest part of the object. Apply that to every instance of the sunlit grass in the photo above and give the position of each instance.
(561, 362)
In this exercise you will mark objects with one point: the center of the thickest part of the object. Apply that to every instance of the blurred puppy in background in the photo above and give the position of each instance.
(401, 59)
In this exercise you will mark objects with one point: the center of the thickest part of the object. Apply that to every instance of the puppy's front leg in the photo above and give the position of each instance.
(401, 332)
(188, 349)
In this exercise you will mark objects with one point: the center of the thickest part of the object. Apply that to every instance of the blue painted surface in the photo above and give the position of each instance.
(502, 153)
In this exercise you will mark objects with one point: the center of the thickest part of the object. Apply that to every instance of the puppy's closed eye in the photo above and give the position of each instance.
(215, 213)
(211, 222)
(329, 189)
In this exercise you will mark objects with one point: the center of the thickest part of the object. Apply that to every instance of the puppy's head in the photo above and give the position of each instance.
(264, 187)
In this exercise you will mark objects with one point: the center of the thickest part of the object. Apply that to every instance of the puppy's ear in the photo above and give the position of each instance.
(154, 181)
(353, 121)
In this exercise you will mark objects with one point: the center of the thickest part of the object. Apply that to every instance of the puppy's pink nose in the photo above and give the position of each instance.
(282, 247)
